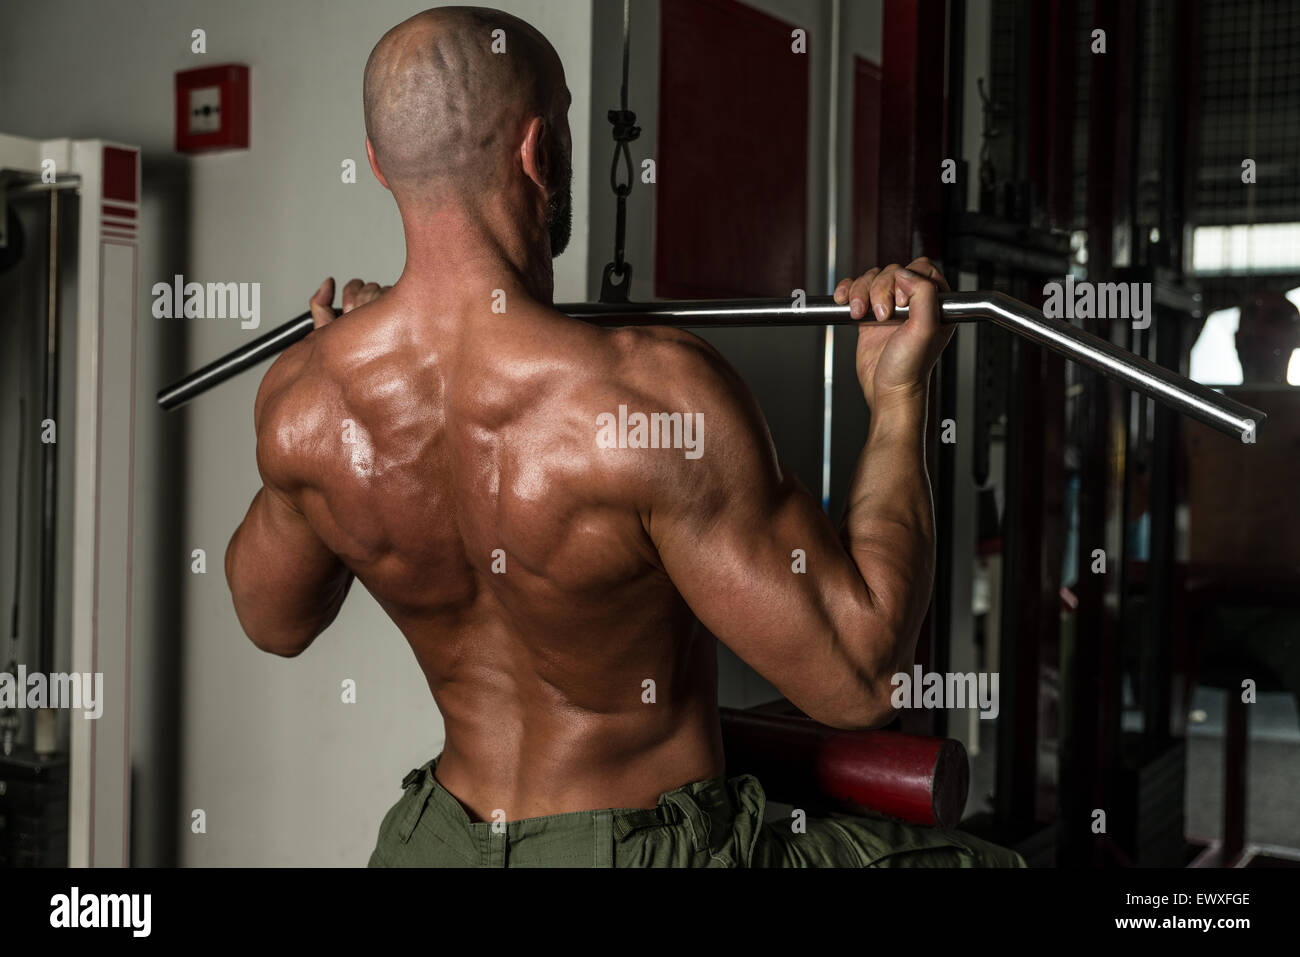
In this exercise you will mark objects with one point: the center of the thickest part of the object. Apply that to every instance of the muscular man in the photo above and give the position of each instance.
(439, 442)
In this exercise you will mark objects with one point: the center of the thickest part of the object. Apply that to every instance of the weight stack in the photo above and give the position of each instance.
(1151, 824)
(33, 810)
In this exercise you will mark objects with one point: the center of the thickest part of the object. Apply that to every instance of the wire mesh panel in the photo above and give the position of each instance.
(1250, 111)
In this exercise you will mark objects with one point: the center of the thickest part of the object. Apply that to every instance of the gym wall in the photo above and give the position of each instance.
(263, 746)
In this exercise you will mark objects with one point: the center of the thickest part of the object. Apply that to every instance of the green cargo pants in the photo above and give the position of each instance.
(715, 823)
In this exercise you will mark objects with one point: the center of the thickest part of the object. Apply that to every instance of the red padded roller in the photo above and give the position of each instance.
(918, 779)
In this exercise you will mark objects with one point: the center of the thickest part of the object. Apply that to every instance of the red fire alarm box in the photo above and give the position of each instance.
(212, 108)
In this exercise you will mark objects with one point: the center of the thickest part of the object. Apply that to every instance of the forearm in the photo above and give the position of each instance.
(888, 529)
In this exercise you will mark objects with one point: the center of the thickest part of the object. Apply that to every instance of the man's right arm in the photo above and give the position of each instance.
(827, 617)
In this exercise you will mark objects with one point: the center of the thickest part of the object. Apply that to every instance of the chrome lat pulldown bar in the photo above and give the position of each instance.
(1179, 393)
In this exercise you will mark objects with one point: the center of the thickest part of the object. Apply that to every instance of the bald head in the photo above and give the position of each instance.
(449, 93)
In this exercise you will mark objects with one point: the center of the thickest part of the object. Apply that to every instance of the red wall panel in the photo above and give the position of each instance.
(866, 162)
(732, 194)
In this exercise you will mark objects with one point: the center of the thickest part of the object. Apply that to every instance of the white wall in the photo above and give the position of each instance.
(285, 772)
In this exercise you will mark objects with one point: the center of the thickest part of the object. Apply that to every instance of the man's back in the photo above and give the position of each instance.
(452, 463)
(544, 508)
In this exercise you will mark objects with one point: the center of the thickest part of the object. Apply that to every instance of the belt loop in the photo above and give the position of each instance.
(604, 828)
(625, 822)
(695, 817)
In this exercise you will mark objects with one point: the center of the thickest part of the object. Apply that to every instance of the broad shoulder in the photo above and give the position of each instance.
(670, 383)
(683, 372)
(296, 404)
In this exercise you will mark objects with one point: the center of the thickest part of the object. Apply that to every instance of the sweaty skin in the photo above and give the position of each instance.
(421, 435)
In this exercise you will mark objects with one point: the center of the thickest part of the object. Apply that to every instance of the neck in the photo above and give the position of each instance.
(464, 253)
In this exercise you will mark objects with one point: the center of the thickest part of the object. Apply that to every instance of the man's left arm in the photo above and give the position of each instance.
(286, 584)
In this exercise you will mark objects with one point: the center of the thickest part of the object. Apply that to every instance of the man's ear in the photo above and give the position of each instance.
(374, 166)
(533, 154)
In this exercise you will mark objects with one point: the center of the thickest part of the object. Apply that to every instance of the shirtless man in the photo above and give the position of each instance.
(444, 452)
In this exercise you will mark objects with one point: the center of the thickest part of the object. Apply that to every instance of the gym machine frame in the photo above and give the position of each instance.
(97, 184)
